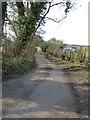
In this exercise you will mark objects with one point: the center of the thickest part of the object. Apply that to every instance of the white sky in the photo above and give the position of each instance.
(73, 30)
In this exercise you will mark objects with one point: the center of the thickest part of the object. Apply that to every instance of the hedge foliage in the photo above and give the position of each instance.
(12, 67)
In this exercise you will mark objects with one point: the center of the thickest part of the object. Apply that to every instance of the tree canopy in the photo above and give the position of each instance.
(25, 18)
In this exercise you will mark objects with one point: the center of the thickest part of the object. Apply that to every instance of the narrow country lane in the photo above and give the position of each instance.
(44, 92)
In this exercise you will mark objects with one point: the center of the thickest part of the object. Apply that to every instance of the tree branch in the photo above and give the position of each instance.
(57, 21)
(50, 6)
(48, 12)
(43, 17)
(20, 7)
(13, 26)
(57, 4)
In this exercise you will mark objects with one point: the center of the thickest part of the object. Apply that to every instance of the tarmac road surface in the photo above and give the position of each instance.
(44, 92)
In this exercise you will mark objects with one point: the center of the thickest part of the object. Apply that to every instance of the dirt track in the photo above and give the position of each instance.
(44, 92)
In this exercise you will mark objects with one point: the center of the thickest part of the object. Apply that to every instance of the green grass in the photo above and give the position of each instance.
(80, 69)
(77, 68)
(88, 79)
(13, 67)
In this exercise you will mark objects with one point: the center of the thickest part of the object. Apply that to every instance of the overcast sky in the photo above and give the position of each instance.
(74, 29)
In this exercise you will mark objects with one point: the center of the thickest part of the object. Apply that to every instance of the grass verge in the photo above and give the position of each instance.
(76, 68)
(13, 67)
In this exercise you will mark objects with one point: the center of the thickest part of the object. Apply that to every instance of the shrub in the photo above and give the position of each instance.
(81, 55)
(11, 67)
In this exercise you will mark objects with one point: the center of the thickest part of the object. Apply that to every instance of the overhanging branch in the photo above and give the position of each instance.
(57, 4)
(48, 12)
(57, 21)
(43, 17)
